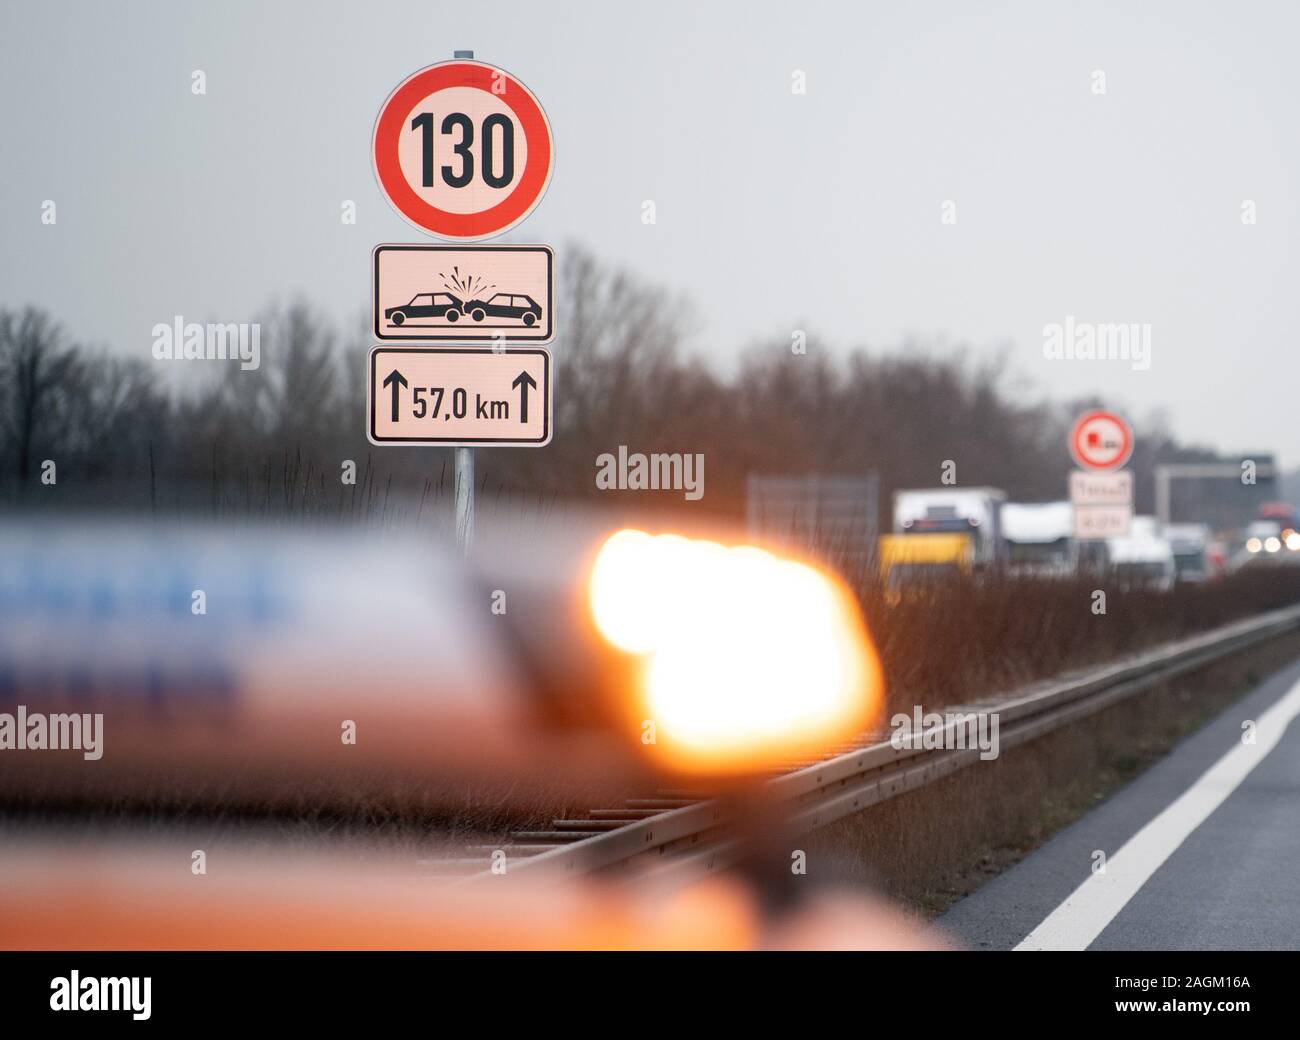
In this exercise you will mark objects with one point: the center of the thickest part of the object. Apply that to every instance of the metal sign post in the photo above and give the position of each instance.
(464, 498)
(463, 151)
(459, 397)
(464, 458)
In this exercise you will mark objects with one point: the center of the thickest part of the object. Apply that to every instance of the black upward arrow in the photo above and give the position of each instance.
(396, 380)
(524, 381)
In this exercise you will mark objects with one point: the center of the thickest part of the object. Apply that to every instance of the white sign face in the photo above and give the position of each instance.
(1092, 522)
(459, 396)
(1101, 489)
(463, 294)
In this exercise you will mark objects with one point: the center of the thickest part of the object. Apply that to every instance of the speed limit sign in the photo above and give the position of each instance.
(463, 150)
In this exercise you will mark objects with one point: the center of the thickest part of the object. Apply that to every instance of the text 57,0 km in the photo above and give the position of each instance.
(427, 401)
(459, 395)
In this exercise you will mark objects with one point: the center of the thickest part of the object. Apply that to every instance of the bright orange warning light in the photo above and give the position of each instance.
(746, 660)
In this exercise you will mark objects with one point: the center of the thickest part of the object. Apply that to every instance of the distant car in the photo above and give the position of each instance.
(506, 305)
(427, 305)
(1265, 536)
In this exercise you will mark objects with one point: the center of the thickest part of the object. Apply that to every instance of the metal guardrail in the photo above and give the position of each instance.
(692, 839)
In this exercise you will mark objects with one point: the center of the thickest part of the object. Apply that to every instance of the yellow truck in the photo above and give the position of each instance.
(908, 560)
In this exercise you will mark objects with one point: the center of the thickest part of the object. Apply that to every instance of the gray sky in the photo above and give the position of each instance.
(774, 211)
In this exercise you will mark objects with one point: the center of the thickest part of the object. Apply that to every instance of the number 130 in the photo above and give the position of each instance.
(458, 120)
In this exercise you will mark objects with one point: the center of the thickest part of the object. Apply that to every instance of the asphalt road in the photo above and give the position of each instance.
(1205, 865)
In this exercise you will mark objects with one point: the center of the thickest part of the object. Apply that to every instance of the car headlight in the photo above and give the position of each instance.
(744, 660)
(1254, 545)
(1272, 545)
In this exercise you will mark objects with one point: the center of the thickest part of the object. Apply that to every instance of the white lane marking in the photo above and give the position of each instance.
(1093, 905)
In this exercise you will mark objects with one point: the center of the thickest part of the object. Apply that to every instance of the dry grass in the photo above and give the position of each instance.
(931, 846)
(972, 639)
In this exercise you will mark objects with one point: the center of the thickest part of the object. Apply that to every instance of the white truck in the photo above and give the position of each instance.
(1143, 558)
(1189, 543)
(1040, 539)
(975, 512)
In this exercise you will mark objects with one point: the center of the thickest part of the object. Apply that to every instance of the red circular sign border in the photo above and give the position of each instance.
(462, 226)
(1125, 454)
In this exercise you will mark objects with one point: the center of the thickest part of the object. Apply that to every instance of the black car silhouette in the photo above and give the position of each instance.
(427, 305)
(505, 305)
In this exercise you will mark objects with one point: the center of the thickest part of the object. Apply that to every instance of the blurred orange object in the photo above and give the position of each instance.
(80, 896)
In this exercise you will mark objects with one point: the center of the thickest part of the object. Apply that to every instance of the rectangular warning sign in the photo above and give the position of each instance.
(1101, 489)
(459, 396)
(1103, 504)
(464, 294)
(1095, 522)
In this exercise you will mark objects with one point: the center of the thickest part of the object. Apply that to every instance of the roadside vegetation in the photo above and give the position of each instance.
(169, 439)
(974, 639)
(929, 847)
(127, 431)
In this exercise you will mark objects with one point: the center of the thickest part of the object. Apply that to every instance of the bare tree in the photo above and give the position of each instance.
(622, 377)
(37, 373)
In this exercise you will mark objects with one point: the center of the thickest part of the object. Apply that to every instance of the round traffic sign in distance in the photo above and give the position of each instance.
(463, 150)
(1101, 441)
